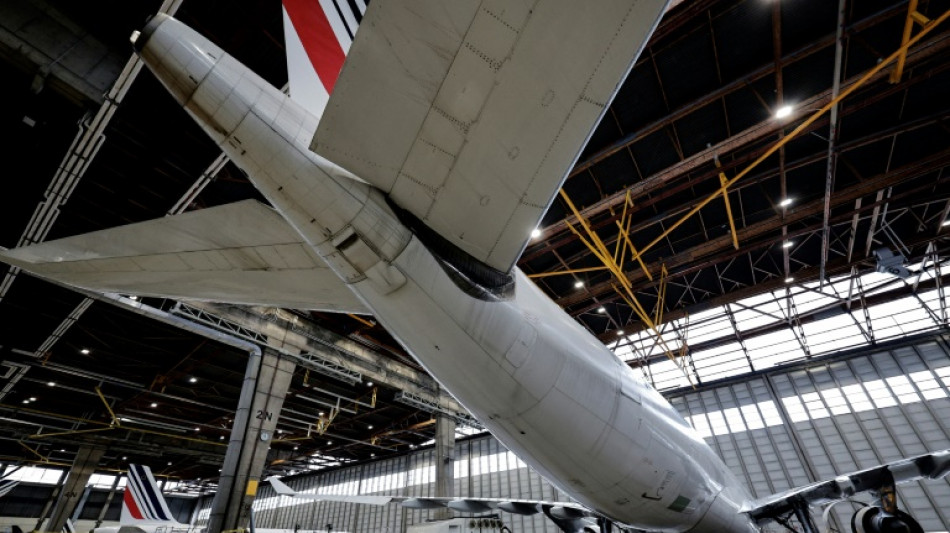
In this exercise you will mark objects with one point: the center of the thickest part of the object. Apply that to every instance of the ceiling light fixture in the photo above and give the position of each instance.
(578, 284)
(84, 351)
(369, 383)
(783, 111)
(787, 244)
(192, 380)
(51, 384)
(535, 233)
(785, 202)
(619, 332)
(789, 279)
(946, 222)
(154, 404)
(601, 310)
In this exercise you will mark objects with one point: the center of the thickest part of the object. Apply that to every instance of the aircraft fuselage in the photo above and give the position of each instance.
(545, 387)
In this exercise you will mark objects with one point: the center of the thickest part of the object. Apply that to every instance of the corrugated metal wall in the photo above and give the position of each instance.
(777, 430)
(788, 428)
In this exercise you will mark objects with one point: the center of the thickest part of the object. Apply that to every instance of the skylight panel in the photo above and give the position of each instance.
(903, 389)
(774, 348)
(929, 386)
(666, 375)
(879, 394)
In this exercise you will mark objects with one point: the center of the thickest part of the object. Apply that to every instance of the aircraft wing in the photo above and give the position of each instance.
(927, 466)
(242, 253)
(470, 114)
(467, 505)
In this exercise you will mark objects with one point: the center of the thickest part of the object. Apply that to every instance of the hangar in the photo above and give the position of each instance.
(802, 315)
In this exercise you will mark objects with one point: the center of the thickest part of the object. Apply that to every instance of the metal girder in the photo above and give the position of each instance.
(754, 134)
(424, 404)
(756, 236)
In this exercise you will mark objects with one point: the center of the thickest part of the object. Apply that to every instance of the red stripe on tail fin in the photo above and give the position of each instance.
(129, 502)
(318, 39)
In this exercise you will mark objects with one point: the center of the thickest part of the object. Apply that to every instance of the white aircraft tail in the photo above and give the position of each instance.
(143, 501)
(317, 37)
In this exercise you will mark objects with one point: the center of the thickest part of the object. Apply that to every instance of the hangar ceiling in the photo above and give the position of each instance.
(865, 179)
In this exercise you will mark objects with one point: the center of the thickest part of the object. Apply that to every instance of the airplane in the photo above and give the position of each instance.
(7, 485)
(144, 510)
(448, 129)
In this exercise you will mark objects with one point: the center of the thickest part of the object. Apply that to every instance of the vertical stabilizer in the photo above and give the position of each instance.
(317, 36)
(143, 501)
(7, 485)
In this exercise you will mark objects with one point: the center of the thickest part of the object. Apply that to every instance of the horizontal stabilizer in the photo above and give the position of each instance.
(241, 253)
(927, 466)
(470, 114)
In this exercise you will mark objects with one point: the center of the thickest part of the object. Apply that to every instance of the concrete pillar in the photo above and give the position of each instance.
(266, 381)
(87, 459)
(445, 462)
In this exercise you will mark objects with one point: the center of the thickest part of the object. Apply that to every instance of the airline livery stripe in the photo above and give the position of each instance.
(135, 484)
(150, 492)
(345, 12)
(6, 486)
(129, 501)
(318, 40)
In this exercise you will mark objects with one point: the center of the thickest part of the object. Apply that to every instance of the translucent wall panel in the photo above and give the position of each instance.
(776, 430)
(785, 429)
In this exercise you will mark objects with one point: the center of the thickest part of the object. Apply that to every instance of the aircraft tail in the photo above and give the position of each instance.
(7, 485)
(143, 501)
(317, 37)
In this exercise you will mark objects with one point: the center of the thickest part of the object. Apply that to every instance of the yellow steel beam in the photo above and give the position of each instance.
(115, 421)
(912, 16)
(597, 247)
(562, 272)
(34, 452)
(618, 250)
(108, 426)
(801, 127)
(725, 196)
(361, 320)
(625, 235)
(661, 294)
(73, 432)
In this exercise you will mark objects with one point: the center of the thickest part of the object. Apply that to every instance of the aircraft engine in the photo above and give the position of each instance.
(873, 519)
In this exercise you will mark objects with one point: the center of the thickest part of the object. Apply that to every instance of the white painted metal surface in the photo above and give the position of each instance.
(518, 363)
(240, 253)
(471, 117)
